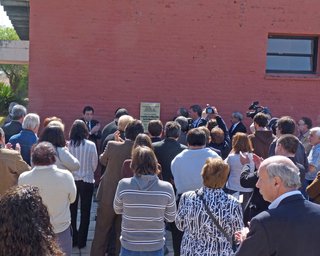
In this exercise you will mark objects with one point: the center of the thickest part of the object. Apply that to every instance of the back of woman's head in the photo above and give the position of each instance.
(217, 135)
(43, 153)
(78, 133)
(241, 142)
(144, 161)
(215, 173)
(50, 119)
(142, 139)
(53, 134)
(25, 224)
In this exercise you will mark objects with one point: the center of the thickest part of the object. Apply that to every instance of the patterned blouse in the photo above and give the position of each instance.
(201, 237)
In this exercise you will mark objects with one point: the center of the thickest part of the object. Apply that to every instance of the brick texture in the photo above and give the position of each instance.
(110, 53)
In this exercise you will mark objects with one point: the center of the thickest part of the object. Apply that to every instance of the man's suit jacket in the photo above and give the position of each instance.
(256, 204)
(11, 166)
(291, 229)
(113, 157)
(110, 128)
(166, 150)
(12, 128)
(239, 128)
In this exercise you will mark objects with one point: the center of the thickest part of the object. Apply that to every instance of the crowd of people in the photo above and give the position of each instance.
(219, 190)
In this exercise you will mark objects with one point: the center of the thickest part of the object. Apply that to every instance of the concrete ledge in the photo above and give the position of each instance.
(14, 52)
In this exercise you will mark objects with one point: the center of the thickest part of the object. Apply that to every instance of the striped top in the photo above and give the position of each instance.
(87, 155)
(144, 202)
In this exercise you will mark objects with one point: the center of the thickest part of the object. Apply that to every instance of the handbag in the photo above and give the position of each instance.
(233, 243)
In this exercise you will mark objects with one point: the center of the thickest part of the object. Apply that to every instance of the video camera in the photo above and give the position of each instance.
(254, 109)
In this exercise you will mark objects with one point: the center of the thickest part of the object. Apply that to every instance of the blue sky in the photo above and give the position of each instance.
(4, 20)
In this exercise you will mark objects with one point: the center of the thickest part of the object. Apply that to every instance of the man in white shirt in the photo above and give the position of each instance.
(57, 189)
(186, 166)
(186, 170)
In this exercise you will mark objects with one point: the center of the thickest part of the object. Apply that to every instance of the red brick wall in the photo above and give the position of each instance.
(119, 53)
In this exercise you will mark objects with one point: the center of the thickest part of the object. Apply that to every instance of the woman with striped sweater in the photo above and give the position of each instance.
(145, 202)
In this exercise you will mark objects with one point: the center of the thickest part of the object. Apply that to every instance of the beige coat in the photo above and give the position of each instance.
(11, 166)
(313, 190)
(113, 157)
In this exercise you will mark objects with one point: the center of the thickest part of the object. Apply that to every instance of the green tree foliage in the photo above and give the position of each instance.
(6, 96)
(17, 74)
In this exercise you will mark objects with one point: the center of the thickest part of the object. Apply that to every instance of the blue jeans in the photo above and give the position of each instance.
(125, 252)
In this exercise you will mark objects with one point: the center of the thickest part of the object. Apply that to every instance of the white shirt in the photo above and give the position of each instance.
(233, 183)
(234, 126)
(57, 190)
(186, 168)
(278, 200)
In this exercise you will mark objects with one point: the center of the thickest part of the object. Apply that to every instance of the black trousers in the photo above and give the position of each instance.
(85, 192)
(176, 234)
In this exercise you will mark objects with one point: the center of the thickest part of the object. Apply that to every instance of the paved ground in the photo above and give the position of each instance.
(86, 251)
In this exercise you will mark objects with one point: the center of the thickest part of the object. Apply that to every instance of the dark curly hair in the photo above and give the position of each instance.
(25, 227)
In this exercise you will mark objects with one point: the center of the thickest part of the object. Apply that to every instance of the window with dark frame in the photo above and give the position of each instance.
(292, 54)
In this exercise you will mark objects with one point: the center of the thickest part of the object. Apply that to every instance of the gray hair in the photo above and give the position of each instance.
(289, 175)
(18, 111)
(316, 131)
(11, 105)
(183, 121)
(237, 115)
(31, 121)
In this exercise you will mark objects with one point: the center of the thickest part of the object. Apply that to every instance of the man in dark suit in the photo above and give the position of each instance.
(290, 225)
(15, 126)
(196, 113)
(112, 127)
(166, 150)
(237, 125)
(93, 125)
(113, 157)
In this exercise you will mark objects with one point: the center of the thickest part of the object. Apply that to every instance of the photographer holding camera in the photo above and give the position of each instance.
(220, 139)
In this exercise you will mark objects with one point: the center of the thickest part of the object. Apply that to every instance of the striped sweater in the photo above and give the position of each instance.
(87, 155)
(144, 202)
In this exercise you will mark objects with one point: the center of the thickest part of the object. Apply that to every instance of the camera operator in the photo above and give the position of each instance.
(254, 109)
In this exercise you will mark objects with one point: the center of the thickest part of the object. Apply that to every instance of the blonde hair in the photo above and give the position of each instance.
(215, 173)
